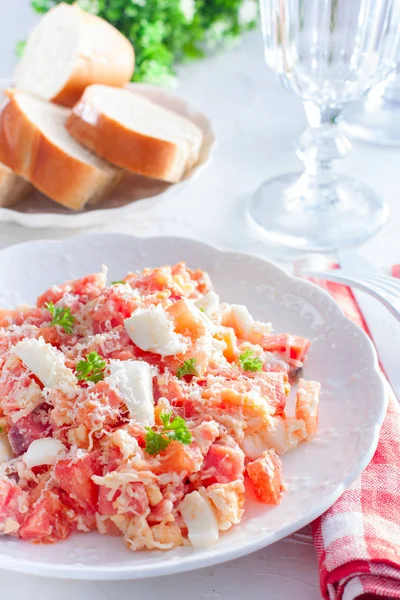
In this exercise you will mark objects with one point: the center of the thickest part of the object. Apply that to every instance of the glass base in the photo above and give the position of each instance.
(289, 212)
(377, 120)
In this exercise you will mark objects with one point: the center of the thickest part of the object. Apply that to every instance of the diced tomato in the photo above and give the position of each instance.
(27, 429)
(100, 408)
(160, 511)
(87, 288)
(48, 521)
(114, 459)
(108, 527)
(168, 387)
(112, 308)
(33, 316)
(75, 478)
(51, 335)
(132, 500)
(178, 458)
(274, 388)
(289, 346)
(13, 501)
(266, 476)
(223, 463)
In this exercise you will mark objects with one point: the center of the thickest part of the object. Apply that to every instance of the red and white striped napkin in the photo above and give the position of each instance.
(358, 538)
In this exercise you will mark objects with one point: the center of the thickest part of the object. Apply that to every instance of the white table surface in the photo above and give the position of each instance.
(256, 123)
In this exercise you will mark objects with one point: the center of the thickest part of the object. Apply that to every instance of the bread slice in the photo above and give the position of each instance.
(35, 144)
(70, 49)
(12, 187)
(134, 133)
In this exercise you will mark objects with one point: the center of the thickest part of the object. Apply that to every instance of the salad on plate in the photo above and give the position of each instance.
(144, 408)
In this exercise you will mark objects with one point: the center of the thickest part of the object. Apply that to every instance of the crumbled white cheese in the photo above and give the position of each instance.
(133, 381)
(153, 331)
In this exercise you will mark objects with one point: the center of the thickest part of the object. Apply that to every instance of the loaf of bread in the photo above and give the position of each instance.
(134, 133)
(70, 49)
(12, 187)
(35, 144)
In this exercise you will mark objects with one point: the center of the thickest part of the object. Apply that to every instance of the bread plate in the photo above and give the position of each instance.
(136, 194)
(342, 358)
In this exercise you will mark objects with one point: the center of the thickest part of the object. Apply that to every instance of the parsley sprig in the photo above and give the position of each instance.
(176, 429)
(61, 316)
(91, 369)
(188, 368)
(117, 282)
(250, 362)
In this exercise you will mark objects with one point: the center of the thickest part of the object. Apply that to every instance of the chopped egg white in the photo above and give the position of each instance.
(133, 380)
(153, 331)
(209, 303)
(242, 319)
(284, 435)
(200, 519)
(44, 451)
(47, 363)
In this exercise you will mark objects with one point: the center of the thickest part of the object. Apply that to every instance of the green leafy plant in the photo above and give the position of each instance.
(166, 32)
(250, 362)
(61, 316)
(188, 368)
(91, 369)
(176, 429)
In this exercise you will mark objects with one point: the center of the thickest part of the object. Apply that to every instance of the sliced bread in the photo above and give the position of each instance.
(134, 133)
(35, 144)
(12, 187)
(70, 49)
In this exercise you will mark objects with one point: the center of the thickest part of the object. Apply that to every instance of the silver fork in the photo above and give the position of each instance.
(384, 288)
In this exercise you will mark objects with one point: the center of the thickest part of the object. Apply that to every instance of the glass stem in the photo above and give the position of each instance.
(319, 147)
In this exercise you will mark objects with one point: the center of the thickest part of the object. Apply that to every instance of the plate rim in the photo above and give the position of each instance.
(92, 572)
(98, 216)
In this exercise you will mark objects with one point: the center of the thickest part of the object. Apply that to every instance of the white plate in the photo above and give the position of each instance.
(136, 194)
(341, 357)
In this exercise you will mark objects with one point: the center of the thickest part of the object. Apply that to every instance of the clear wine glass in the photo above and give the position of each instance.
(327, 52)
(377, 118)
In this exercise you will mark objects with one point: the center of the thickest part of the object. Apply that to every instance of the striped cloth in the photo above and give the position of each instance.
(358, 538)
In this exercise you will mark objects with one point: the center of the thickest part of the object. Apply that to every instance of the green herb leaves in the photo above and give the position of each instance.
(61, 316)
(91, 369)
(188, 368)
(176, 429)
(250, 362)
(117, 282)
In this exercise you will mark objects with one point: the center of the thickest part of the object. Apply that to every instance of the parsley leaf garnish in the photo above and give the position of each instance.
(91, 369)
(176, 430)
(117, 282)
(1, 430)
(202, 309)
(250, 362)
(188, 368)
(61, 316)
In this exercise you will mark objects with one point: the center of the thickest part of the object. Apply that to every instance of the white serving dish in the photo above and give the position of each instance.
(135, 195)
(352, 408)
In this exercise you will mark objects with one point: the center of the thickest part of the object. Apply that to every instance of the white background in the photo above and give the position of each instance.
(256, 123)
